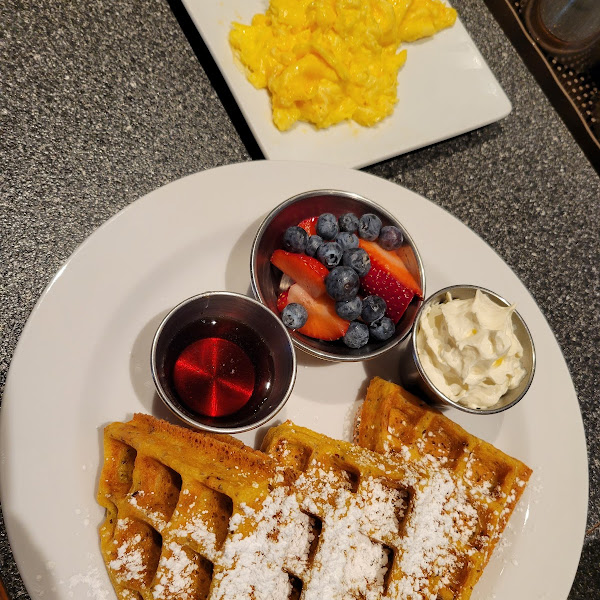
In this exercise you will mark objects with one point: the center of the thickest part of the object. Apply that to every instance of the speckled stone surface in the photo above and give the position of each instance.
(102, 102)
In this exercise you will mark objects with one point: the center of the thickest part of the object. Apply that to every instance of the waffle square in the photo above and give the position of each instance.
(396, 423)
(195, 516)
(170, 496)
(387, 529)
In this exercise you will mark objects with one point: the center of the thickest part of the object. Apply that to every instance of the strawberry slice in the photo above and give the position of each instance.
(282, 300)
(309, 225)
(323, 322)
(303, 269)
(396, 295)
(389, 261)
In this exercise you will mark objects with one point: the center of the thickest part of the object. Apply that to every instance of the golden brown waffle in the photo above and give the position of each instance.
(387, 529)
(396, 423)
(170, 496)
(194, 516)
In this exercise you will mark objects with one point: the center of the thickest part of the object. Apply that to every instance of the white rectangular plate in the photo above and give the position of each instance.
(444, 89)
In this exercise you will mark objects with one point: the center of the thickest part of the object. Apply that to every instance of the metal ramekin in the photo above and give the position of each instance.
(265, 280)
(249, 312)
(413, 375)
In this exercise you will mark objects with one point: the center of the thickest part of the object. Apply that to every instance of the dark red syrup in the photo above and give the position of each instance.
(214, 377)
(220, 367)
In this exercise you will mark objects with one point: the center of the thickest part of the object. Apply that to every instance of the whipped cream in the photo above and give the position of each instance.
(469, 350)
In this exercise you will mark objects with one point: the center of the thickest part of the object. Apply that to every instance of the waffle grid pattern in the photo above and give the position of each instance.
(394, 422)
(193, 516)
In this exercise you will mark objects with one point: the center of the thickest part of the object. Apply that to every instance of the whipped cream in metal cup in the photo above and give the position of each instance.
(416, 371)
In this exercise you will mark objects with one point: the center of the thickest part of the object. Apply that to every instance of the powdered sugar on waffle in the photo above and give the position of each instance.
(129, 563)
(251, 564)
(437, 530)
(197, 531)
(361, 532)
(352, 524)
(359, 529)
(348, 563)
(175, 573)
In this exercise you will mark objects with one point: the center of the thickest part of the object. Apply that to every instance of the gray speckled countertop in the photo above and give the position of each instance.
(103, 102)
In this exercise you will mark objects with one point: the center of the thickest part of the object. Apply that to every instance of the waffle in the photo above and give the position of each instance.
(170, 498)
(195, 516)
(387, 529)
(396, 423)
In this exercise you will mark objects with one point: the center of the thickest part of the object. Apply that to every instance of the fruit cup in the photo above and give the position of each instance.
(269, 264)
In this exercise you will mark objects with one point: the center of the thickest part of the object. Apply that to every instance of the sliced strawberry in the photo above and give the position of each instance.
(323, 322)
(396, 295)
(309, 225)
(303, 269)
(389, 261)
(282, 300)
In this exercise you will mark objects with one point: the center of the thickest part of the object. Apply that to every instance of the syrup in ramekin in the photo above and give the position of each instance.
(219, 367)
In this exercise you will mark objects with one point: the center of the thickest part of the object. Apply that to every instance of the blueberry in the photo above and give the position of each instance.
(342, 283)
(382, 329)
(347, 240)
(348, 222)
(369, 227)
(390, 237)
(358, 259)
(314, 241)
(330, 254)
(294, 239)
(294, 315)
(327, 226)
(373, 308)
(357, 335)
(349, 309)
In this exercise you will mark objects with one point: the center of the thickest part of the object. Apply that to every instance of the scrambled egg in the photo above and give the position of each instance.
(326, 61)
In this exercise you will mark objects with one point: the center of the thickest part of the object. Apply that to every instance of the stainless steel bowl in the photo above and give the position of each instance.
(242, 321)
(413, 375)
(266, 279)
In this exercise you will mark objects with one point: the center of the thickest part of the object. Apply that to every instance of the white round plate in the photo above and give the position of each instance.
(83, 361)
